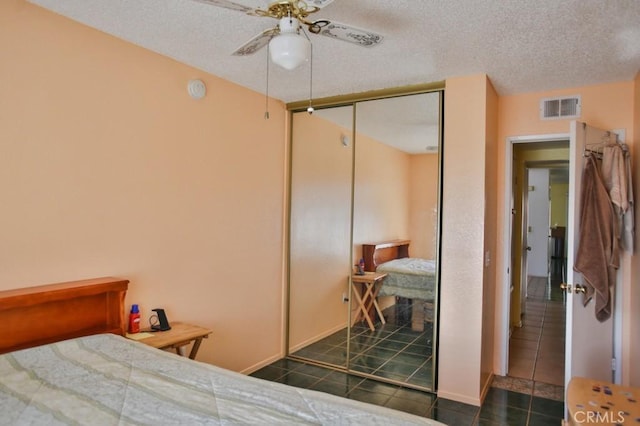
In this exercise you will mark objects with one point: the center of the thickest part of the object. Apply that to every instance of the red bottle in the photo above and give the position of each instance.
(134, 319)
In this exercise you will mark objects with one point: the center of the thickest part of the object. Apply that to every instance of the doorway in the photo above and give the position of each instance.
(584, 356)
(536, 335)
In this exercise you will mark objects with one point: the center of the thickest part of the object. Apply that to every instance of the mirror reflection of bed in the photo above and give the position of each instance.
(409, 280)
(402, 348)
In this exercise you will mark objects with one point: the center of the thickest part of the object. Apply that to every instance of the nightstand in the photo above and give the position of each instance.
(180, 335)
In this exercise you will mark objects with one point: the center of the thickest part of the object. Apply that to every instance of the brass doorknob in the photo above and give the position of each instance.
(565, 287)
(580, 289)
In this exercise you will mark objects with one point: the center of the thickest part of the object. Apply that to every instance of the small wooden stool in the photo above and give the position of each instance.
(369, 294)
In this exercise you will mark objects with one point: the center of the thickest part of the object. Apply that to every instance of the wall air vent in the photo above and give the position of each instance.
(560, 108)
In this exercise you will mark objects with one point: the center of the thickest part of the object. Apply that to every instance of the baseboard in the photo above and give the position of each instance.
(316, 338)
(261, 364)
(486, 387)
(274, 358)
(459, 398)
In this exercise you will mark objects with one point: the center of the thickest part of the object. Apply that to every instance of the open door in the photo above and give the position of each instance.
(589, 343)
(526, 248)
(537, 225)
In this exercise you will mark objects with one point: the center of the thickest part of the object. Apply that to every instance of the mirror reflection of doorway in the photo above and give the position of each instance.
(363, 173)
(536, 344)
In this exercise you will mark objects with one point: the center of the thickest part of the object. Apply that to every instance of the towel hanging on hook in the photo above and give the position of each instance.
(596, 148)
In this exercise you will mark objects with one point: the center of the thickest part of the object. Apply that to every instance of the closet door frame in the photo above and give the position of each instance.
(352, 100)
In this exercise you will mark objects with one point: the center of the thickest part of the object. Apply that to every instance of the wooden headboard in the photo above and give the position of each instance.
(43, 314)
(377, 253)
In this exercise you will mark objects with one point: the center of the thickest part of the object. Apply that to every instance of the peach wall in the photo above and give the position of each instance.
(490, 241)
(321, 217)
(423, 214)
(463, 239)
(108, 167)
(381, 193)
(558, 193)
(320, 234)
(607, 106)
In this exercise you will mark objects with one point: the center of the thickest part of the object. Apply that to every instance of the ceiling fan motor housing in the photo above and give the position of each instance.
(289, 49)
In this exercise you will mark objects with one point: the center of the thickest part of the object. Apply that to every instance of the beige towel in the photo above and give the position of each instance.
(627, 233)
(597, 257)
(614, 175)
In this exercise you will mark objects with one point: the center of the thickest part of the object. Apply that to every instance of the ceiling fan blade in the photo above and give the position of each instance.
(227, 4)
(318, 3)
(351, 34)
(256, 43)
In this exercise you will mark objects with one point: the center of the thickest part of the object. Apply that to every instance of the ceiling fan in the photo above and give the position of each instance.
(287, 47)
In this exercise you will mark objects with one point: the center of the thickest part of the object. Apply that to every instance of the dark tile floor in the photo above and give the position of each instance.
(399, 350)
(511, 401)
(501, 406)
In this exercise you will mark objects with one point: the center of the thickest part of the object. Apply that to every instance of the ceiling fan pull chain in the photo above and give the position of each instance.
(310, 108)
(266, 96)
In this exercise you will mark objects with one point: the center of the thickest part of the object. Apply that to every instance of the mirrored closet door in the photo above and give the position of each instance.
(320, 235)
(364, 237)
(395, 232)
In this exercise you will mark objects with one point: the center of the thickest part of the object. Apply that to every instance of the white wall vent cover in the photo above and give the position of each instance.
(564, 107)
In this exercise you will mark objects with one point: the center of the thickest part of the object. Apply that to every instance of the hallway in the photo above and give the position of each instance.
(536, 350)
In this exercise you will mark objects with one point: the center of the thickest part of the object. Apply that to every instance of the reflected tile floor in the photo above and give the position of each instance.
(501, 406)
(399, 350)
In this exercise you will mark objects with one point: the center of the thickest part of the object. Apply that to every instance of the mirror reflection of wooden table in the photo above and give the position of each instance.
(371, 283)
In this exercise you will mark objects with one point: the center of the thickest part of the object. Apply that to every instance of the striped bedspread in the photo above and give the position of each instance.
(109, 380)
(409, 277)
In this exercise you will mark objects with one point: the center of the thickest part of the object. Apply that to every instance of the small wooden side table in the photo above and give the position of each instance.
(370, 292)
(180, 335)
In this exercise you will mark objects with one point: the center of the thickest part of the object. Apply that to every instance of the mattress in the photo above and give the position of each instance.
(409, 277)
(107, 379)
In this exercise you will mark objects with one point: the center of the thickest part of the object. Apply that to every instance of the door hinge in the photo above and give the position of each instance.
(613, 364)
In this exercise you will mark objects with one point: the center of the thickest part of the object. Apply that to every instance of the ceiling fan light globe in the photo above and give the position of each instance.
(289, 50)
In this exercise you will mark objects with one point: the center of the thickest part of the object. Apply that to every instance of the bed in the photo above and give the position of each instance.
(83, 370)
(408, 277)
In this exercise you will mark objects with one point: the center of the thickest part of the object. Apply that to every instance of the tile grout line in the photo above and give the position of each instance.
(535, 363)
(533, 372)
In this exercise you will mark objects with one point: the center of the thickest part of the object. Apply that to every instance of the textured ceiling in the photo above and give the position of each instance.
(523, 45)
